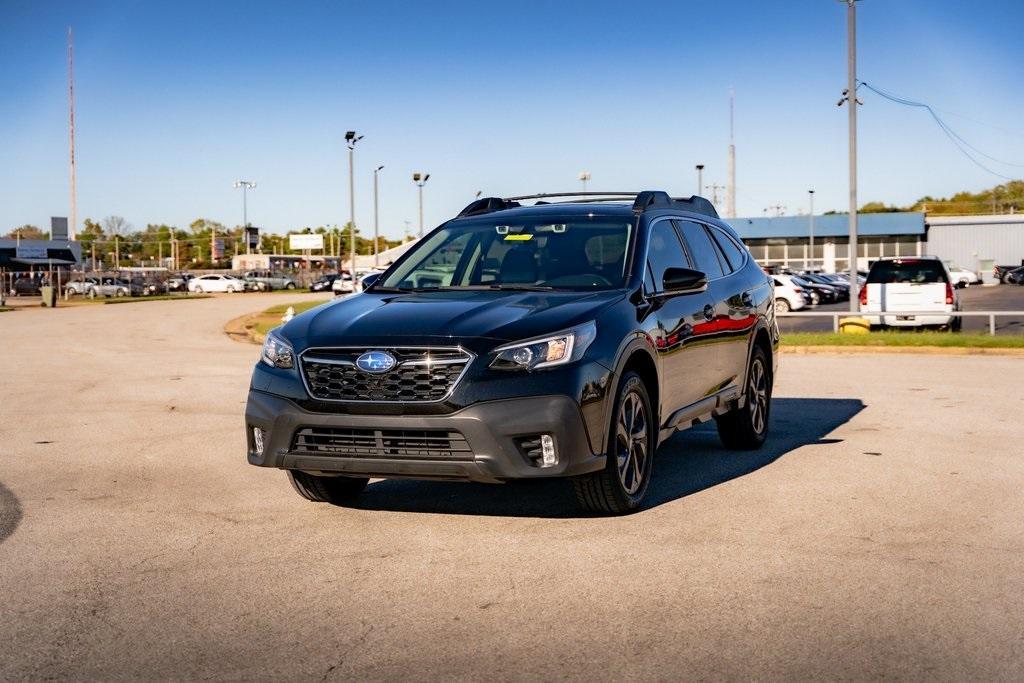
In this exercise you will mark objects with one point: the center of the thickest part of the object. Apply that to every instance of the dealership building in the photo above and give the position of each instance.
(973, 242)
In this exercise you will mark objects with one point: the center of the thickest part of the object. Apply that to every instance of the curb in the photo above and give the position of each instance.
(919, 350)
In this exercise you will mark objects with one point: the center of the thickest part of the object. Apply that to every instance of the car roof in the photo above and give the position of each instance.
(581, 209)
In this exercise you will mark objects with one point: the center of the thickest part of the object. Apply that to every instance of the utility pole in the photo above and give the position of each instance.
(584, 178)
(376, 217)
(71, 121)
(730, 197)
(351, 139)
(420, 180)
(700, 178)
(246, 185)
(715, 187)
(850, 98)
(811, 226)
(117, 252)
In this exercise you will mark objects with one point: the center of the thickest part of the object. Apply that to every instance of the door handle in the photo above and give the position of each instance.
(709, 312)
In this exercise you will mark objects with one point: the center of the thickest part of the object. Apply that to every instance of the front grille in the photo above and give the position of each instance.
(419, 375)
(418, 444)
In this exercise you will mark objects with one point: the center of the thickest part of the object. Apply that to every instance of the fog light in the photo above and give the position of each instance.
(548, 458)
(257, 440)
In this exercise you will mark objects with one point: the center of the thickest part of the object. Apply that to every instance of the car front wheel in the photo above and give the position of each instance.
(290, 285)
(334, 490)
(745, 428)
(620, 487)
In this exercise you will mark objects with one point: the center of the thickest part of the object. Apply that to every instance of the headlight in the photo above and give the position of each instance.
(557, 349)
(276, 353)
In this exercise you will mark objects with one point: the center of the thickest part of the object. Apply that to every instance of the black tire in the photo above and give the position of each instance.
(746, 428)
(290, 285)
(782, 305)
(333, 490)
(632, 439)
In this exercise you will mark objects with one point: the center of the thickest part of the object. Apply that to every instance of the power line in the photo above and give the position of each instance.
(956, 139)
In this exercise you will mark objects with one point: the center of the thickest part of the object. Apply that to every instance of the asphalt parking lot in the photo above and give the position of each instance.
(974, 298)
(877, 535)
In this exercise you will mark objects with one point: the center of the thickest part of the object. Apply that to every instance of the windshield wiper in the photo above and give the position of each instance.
(521, 287)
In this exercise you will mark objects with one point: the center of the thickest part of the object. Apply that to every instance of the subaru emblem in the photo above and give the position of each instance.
(376, 362)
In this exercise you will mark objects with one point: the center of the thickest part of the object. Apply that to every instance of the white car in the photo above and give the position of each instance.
(216, 283)
(342, 284)
(789, 296)
(906, 286)
(961, 276)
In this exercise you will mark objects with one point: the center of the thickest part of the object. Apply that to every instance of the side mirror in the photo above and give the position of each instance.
(684, 280)
(370, 279)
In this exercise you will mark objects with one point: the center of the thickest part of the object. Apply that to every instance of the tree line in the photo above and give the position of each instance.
(114, 240)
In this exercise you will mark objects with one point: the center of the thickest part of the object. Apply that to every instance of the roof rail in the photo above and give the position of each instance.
(646, 200)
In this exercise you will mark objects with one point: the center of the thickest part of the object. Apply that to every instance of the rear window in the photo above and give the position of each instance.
(906, 272)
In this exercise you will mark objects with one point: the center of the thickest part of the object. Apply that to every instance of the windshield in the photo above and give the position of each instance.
(578, 253)
(912, 272)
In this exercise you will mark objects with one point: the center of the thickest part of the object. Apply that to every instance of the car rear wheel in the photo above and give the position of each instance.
(121, 292)
(333, 490)
(745, 428)
(230, 290)
(620, 487)
(290, 285)
(782, 306)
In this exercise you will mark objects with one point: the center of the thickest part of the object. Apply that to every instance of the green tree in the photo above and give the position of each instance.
(27, 232)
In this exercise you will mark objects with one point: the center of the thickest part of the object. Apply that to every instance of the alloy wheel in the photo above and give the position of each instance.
(758, 395)
(631, 442)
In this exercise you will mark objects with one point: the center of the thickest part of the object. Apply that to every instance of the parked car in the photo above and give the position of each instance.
(26, 286)
(819, 294)
(1015, 277)
(522, 342)
(323, 283)
(112, 286)
(907, 285)
(962, 277)
(266, 280)
(838, 292)
(1000, 272)
(147, 286)
(80, 287)
(179, 282)
(216, 283)
(789, 296)
(342, 284)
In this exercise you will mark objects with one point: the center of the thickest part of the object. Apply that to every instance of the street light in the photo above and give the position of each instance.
(246, 185)
(811, 193)
(700, 178)
(584, 177)
(351, 139)
(376, 224)
(420, 180)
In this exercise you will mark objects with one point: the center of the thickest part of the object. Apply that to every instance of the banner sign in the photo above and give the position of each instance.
(298, 242)
(31, 252)
(252, 236)
(58, 228)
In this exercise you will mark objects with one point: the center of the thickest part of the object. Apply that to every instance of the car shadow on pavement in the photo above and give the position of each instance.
(689, 462)
(10, 512)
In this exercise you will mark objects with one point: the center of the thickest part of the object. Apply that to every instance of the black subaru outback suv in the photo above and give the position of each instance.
(560, 339)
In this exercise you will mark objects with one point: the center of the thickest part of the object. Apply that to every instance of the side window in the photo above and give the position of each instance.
(777, 283)
(664, 251)
(733, 253)
(705, 253)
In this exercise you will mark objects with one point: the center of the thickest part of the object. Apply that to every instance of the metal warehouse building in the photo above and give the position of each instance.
(785, 240)
(977, 242)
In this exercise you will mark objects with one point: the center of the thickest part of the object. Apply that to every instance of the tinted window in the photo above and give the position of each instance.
(732, 251)
(704, 252)
(910, 271)
(664, 251)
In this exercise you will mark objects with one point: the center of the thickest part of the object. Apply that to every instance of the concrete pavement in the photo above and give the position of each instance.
(878, 534)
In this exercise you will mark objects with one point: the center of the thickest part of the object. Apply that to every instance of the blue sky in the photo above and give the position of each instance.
(175, 101)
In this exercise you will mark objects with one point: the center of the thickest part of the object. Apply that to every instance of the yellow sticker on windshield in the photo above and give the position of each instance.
(520, 237)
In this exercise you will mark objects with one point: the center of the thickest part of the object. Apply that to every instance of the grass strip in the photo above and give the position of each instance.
(896, 338)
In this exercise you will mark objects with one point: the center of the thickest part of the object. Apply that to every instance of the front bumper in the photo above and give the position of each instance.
(491, 430)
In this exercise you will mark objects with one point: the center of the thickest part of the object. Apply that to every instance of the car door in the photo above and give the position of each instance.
(729, 327)
(673, 322)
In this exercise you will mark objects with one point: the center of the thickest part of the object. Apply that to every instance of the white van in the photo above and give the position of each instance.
(908, 285)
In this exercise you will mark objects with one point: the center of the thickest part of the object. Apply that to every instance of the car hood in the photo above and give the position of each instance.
(444, 317)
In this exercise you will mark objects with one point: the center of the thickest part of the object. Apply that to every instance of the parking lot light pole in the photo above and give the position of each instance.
(246, 185)
(376, 214)
(700, 178)
(850, 99)
(420, 179)
(351, 139)
(810, 215)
